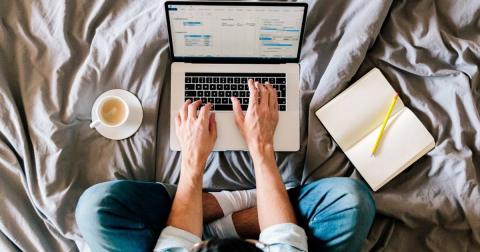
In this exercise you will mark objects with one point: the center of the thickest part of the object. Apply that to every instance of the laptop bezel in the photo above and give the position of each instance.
(257, 60)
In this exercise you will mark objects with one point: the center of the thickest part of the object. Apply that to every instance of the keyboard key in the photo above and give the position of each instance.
(280, 80)
(214, 93)
(218, 100)
(198, 86)
(257, 79)
(228, 94)
(190, 93)
(219, 87)
(216, 80)
(205, 86)
(188, 80)
(235, 93)
(226, 87)
(206, 93)
(283, 88)
(244, 107)
(223, 80)
(208, 80)
(189, 98)
(199, 93)
(275, 87)
(242, 87)
(284, 93)
(242, 94)
(233, 87)
(201, 79)
(281, 101)
(271, 80)
(225, 100)
(229, 80)
(223, 107)
(189, 86)
(221, 93)
(194, 80)
(211, 100)
(236, 80)
(282, 108)
(212, 86)
(264, 80)
(204, 100)
(244, 80)
(245, 101)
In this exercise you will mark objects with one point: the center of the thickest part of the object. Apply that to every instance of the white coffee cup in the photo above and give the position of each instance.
(112, 111)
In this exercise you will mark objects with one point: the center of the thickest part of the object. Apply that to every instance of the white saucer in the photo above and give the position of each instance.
(133, 122)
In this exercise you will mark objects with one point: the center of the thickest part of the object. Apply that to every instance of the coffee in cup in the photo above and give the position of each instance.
(112, 111)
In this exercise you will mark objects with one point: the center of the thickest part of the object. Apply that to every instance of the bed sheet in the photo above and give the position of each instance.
(56, 57)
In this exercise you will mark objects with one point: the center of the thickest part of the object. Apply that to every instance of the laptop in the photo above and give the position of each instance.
(217, 46)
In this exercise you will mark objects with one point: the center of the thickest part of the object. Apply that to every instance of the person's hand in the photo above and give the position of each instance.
(196, 134)
(258, 124)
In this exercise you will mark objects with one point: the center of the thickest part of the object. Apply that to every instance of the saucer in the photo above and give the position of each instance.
(133, 122)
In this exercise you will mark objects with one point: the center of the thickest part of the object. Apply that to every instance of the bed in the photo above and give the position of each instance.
(56, 57)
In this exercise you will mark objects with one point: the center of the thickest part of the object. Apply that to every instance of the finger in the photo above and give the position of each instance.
(253, 101)
(177, 120)
(272, 101)
(263, 95)
(205, 112)
(184, 110)
(192, 109)
(212, 126)
(237, 111)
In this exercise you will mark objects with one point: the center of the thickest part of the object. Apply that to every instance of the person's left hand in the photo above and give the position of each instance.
(196, 134)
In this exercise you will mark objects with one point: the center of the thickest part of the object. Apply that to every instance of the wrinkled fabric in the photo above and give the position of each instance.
(56, 57)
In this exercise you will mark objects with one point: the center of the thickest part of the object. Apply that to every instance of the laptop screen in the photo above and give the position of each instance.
(233, 30)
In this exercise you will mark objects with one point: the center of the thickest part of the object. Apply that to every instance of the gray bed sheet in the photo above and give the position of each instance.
(56, 57)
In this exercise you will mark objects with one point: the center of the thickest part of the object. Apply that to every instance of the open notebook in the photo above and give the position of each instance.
(354, 118)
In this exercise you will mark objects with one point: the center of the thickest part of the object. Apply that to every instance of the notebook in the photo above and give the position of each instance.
(354, 118)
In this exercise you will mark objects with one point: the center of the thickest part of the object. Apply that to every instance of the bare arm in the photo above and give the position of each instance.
(197, 137)
(258, 128)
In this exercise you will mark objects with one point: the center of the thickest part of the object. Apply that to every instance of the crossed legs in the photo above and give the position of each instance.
(128, 215)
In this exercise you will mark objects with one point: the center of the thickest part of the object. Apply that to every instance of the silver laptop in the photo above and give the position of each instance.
(217, 46)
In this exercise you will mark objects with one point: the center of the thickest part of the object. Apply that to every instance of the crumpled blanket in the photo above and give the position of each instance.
(56, 57)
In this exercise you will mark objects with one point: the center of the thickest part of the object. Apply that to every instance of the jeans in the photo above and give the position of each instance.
(336, 214)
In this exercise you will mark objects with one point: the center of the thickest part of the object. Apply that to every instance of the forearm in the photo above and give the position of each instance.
(272, 199)
(186, 212)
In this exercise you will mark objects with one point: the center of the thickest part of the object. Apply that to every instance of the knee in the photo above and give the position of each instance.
(352, 197)
(358, 198)
(89, 213)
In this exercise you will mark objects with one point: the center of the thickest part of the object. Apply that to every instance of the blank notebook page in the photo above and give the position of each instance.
(405, 140)
(359, 109)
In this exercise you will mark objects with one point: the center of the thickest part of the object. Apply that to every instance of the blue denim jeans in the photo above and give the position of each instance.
(336, 214)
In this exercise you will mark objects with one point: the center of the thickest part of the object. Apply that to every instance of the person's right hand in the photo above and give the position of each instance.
(258, 124)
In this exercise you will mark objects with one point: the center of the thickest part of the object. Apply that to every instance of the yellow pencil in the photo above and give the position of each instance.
(380, 134)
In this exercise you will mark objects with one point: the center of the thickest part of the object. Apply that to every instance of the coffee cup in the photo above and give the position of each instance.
(112, 111)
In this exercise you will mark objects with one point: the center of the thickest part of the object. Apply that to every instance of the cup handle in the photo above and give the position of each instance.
(94, 124)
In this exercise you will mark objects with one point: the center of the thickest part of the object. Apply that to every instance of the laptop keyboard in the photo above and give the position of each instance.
(217, 88)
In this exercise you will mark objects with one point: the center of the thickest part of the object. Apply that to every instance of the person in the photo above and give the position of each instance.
(331, 214)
